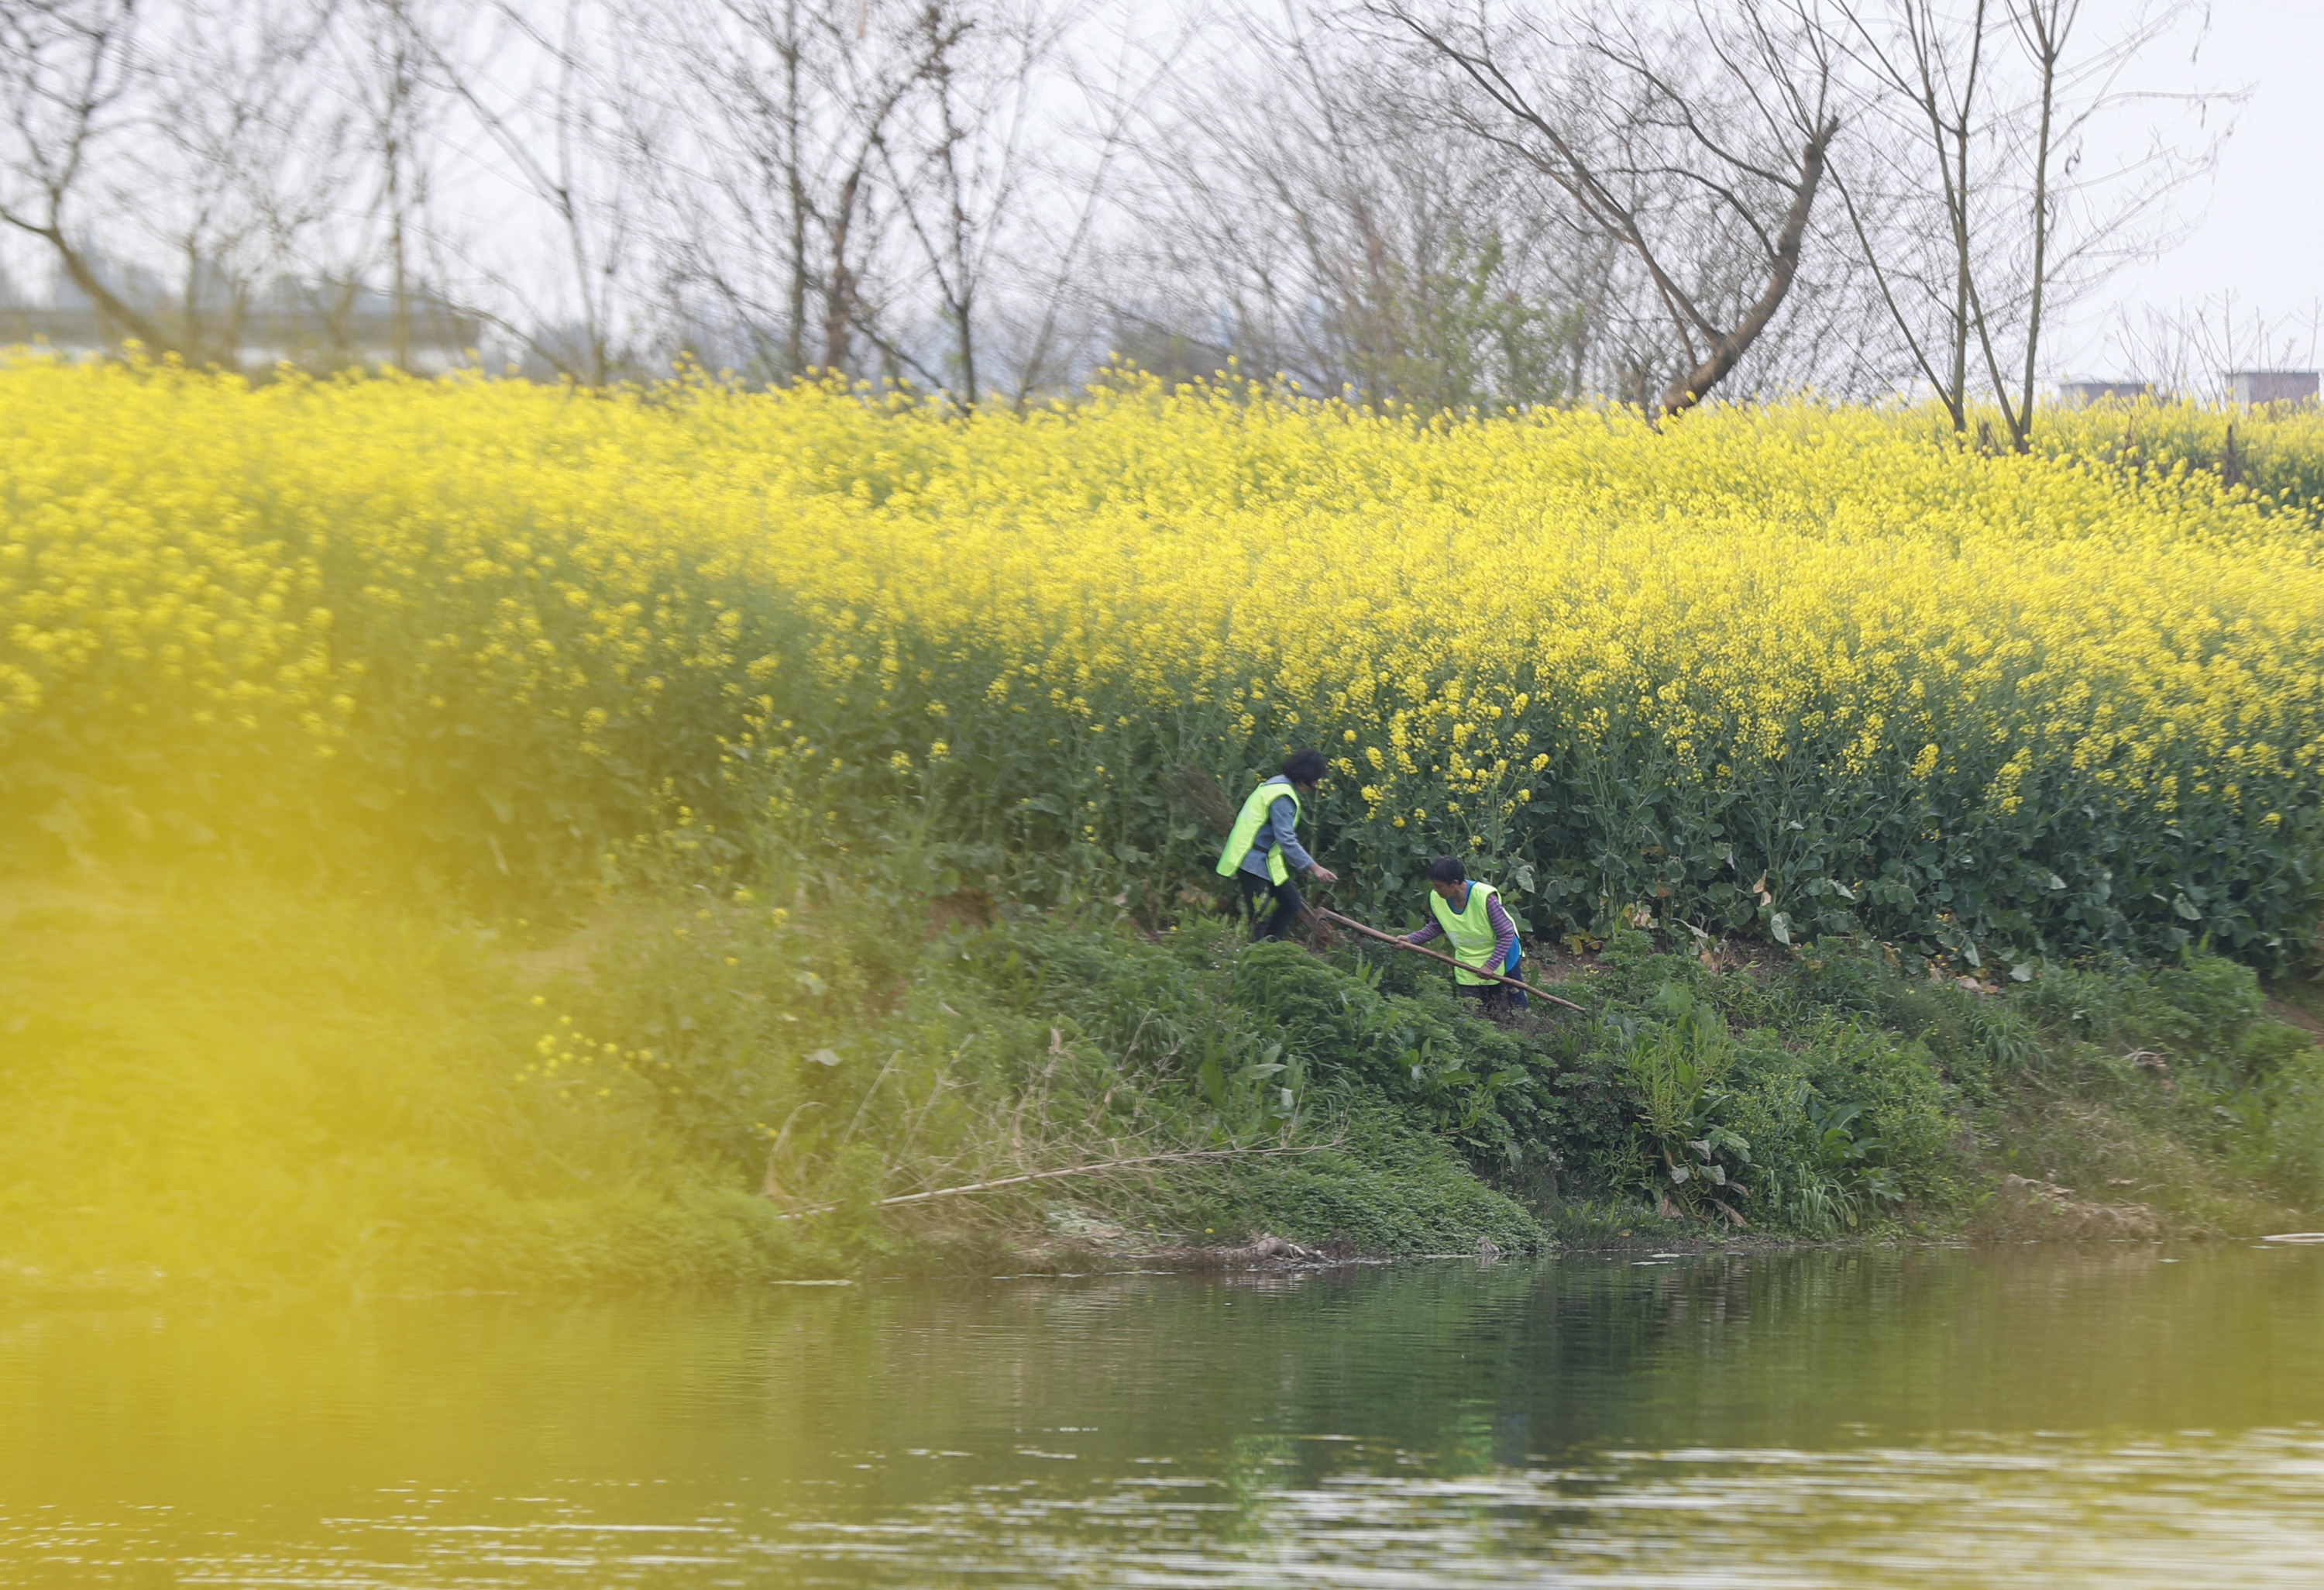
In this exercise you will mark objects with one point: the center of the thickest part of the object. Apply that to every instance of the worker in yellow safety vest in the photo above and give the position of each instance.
(1263, 847)
(1471, 915)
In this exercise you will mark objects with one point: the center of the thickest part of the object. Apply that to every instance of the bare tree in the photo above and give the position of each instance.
(1988, 188)
(2043, 27)
(931, 177)
(1927, 77)
(2190, 348)
(232, 166)
(67, 71)
(1051, 328)
(1291, 213)
(958, 160)
(385, 58)
(772, 186)
(1687, 145)
(560, 140)
(1402, 202)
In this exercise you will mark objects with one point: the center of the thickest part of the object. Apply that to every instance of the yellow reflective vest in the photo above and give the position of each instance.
(1471, 930)
(1247, 825)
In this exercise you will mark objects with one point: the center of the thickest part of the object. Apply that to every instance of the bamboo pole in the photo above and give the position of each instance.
(1448, 961)
(1178, 1157)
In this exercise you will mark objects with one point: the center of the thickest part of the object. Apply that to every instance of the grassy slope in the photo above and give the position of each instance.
(248, 1090)
(240, 1089)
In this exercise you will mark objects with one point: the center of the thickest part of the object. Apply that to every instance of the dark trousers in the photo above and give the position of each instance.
(1286, 896)
(1496, 997)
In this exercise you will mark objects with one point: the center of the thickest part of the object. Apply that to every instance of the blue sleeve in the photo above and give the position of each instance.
(1279, 828)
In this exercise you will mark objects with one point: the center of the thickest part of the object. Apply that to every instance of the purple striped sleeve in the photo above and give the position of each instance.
(1505, 932)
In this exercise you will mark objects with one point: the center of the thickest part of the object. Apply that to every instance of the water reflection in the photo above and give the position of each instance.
(2029, 1416)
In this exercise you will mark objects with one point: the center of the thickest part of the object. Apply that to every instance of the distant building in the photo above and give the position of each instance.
(2249, 387)
(317, 325)
(2081, 394)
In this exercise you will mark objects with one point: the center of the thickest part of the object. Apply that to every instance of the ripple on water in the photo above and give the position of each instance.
(2248, 1512)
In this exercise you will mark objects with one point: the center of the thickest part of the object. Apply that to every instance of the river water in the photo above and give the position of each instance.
(2124, 1416)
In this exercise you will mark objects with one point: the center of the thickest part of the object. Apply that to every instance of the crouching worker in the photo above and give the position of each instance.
(1262, 848)
(1482, 936)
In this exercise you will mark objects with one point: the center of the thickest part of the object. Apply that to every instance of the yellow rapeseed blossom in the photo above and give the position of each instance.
(511, 622)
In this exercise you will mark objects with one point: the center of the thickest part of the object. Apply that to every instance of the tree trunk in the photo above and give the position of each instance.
(2052, 46)
(839, 296)
(109, 304)
(1687, 392)
(795, 347)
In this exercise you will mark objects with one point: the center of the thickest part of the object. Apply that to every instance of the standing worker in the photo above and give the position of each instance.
(1471, 916)
(1262, 846)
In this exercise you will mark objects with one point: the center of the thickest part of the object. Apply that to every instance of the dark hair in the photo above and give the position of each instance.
(1305, 767)
(1447, 869)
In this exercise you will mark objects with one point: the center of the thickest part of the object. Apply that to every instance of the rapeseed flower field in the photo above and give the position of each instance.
(1785, 671)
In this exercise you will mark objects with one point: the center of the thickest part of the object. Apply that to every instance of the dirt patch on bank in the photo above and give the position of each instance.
(2025, 1210)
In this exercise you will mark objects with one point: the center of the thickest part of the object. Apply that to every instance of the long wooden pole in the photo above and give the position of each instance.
(1448, 961)
(1181, 1157)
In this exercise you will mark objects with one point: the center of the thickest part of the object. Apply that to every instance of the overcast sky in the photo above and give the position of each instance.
(2261, 235)
(2256, 242)
(2257, 236)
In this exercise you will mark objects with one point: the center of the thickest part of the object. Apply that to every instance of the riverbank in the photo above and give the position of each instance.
(237, 1089)
(502, 839)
